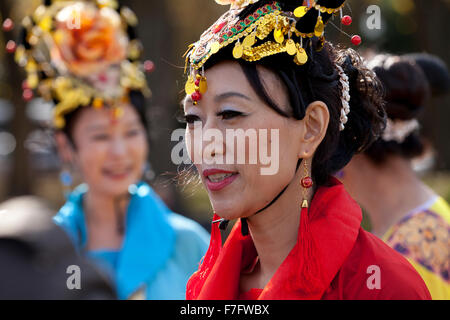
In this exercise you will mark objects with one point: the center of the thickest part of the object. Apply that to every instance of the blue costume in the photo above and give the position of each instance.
(160, 251)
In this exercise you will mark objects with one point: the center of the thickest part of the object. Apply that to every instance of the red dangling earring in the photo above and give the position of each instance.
(308, 265)
(307, 183)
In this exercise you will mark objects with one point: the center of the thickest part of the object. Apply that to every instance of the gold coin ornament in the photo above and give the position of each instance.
(249, 41)
(278, 35)
(33, 80)
(302, 57)
(290, 47)
(190, 86)
(203, 86)
(300, 11)
(238, 50)
(59, 122)
(215, 47)
(319, 28)
(97, 103)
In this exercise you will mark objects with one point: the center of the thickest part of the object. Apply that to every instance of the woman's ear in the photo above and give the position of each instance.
(315, 125)
(64, 147)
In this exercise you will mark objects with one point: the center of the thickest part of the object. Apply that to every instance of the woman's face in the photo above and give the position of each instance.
(239, 189)
(109, 152)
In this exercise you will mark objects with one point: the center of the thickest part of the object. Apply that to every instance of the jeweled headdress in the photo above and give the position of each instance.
(81, 53)
(267, 30)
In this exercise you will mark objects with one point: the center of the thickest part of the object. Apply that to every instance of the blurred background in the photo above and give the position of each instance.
(30, 166)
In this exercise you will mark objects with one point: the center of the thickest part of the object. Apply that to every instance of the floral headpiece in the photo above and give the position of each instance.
(398, 130)
(81, 53)
(266, 31)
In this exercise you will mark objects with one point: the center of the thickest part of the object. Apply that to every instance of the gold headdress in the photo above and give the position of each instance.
(263, 28)
(81, 53)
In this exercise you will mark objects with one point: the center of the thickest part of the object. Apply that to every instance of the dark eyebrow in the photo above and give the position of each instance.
(230, 94)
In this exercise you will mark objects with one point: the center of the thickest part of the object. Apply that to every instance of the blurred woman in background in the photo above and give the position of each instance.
(84, 57)
(403, 211)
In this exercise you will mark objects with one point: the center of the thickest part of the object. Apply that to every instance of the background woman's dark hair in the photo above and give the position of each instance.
(318, 79)
(137, 100)
(408, 81)
(435, 70)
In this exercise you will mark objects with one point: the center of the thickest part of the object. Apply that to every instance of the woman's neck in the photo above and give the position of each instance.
(394, 190)
(104, 214)
(275, 230)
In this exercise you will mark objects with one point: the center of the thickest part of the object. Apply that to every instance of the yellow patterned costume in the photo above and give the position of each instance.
(423, 237)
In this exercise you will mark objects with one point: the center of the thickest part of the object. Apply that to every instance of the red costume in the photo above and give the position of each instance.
(334, 258)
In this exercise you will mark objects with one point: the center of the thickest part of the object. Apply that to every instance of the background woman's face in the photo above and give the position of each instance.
(110, 153)
(236, 189)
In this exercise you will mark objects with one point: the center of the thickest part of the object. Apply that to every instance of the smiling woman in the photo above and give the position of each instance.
(265, 65)
(95, 79)
(111, 154)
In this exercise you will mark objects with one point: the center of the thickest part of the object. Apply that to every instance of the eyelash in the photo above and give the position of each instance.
(229, 114)
(226, 115)
(190, 118)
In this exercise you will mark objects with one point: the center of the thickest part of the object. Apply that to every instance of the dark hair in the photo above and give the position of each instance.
(435, 71)
(406, 92)
(318, 79)
(137, 100)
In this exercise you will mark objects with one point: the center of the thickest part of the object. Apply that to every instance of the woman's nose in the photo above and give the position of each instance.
(118, 147)
(209, 143)
(213, 149)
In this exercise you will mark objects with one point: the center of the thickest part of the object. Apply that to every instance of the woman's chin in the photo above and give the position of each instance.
(229, 211)
(117, 187)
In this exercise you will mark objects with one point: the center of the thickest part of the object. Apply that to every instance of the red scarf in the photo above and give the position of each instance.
(327, 233)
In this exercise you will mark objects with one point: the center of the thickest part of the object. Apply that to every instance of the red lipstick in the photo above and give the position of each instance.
(218, 183)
